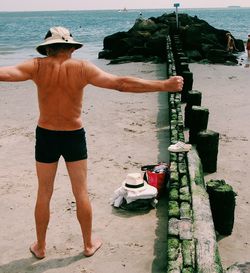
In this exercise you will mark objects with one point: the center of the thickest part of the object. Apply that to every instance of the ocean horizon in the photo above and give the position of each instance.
(129, 9)
(22, 31)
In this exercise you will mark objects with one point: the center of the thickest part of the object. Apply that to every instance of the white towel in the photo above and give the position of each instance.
(131, 196)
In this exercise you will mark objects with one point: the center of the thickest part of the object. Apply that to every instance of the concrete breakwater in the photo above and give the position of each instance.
(192, 245)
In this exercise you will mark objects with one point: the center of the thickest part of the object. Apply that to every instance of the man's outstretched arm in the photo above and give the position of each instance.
(21, 72)
(100, 78)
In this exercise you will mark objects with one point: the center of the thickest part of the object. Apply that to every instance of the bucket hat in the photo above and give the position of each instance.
(57, 35)
(134, 182)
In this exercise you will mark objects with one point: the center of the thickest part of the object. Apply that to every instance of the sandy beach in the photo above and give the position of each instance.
(225, 92)
(124, 132)
(122, 135)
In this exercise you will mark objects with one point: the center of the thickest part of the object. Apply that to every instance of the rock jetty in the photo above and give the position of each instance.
(146, 41)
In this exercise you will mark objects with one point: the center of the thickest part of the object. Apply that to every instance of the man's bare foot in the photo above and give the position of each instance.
(38, 253)
(90, 251)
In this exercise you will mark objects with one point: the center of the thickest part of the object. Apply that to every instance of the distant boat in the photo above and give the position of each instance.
(234, 7)
(122, 10)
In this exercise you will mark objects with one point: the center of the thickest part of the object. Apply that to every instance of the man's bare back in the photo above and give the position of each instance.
(60, 83)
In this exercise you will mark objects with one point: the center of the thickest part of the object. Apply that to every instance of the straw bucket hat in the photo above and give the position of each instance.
(57, 35)
(135, 182)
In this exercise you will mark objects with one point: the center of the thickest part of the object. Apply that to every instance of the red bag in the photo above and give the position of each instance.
(157, 176)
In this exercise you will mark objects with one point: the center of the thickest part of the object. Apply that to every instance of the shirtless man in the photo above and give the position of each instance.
(248, 46)
(60, 82)
(230, 43)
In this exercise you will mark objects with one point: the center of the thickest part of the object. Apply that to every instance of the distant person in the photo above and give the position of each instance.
(139, 18)
(60, 82)
(230, 43)
(248, 46)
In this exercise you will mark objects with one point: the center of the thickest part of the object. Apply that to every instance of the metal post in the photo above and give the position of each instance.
(176, 5)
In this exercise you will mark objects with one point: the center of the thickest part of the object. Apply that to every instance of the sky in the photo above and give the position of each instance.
(30, 5)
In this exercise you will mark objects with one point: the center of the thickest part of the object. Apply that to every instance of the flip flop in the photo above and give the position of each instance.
(34, 254)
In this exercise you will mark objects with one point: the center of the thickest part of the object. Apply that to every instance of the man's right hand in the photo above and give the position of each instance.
(174, 84)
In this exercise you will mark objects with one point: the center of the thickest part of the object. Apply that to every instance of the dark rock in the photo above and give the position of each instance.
(156, 46)
(145, 25)
(105, 54)
(127, 59)
(194, 55)
(147, 38)
(220, 56)
(112, 41)
(239, 45)
(135, 58)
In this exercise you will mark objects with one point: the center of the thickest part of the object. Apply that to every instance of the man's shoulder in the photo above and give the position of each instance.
(75, 61)
(79, 61)
(85, 64)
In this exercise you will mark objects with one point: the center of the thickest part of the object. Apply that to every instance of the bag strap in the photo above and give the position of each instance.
(148, 167)
(151, 167)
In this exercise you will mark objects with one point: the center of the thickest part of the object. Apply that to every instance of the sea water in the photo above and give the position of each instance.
(21, 32)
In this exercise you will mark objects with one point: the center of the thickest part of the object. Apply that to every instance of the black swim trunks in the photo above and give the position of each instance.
(50, 145)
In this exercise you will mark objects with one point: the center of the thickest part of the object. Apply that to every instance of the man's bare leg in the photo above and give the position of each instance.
(78, 175)
(46, 175)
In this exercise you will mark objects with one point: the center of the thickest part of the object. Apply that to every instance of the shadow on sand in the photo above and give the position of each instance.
(33, 265)
(160, 247)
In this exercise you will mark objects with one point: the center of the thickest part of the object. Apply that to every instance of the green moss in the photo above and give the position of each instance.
(187, 253)
(174, 116)
(215, 183)
(177, 100)
(180, 124)
(173, 122)
(173, 157)
(184, 181)
(173, 249)
(181, 137)
(188, 270)
(174, 139)
(219, 185)
(171, 97)
(173, 209)
(174, 176)
(171, 104)
(199, 178)
(182, 168)
(173, 266)
(174, 169)
(174, 185)
(219, 268)
(185, 210)
(173, 194)
(174, 133)
(185, 194)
